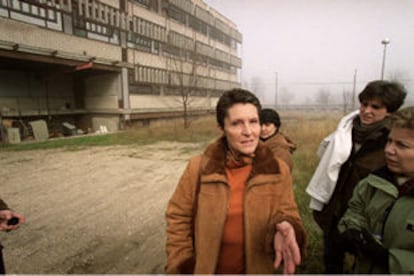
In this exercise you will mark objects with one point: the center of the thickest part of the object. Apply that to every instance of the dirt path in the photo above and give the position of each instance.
(98, 210)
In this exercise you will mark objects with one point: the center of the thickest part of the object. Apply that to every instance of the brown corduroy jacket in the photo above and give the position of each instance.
(268, 200)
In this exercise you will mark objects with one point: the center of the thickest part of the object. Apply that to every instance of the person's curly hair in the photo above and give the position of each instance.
(403, 118)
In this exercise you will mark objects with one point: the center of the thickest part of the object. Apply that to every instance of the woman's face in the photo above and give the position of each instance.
(268, 129)
(242, 128)
(399, 151)
(372, 111)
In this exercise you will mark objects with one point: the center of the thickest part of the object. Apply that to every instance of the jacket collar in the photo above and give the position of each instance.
(215, 158)
(405, 189)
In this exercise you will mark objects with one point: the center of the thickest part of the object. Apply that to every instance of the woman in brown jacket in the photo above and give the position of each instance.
(233, 210)
(272, 137)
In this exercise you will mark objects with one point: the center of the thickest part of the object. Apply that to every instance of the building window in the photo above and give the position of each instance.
(141, 89)
(173, 91)
(145, 3)
(176, 14)
(174, 51)
(140, 42)
(144, 74)
(197, 25)
(155, 47)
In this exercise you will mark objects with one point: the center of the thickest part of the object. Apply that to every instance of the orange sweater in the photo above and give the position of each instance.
(231, 258)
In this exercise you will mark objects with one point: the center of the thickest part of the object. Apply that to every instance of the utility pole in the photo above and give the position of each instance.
(384, 42)
(276, 89)
(354, 89)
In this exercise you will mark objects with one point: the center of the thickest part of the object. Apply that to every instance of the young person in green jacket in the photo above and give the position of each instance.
(378, 226)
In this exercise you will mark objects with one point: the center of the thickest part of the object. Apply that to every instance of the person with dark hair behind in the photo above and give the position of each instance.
(281, 145)
(233, 210)
(349, 154)
(9, 220)
(378, 226)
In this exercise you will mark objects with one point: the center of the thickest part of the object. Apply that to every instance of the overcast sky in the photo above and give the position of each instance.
(318, 44)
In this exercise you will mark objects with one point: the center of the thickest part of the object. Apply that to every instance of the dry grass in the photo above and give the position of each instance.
(305, 129)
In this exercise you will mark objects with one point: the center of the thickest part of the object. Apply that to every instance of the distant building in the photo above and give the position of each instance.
(106, 62)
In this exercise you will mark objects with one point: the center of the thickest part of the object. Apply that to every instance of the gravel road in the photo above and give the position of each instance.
(97, 210)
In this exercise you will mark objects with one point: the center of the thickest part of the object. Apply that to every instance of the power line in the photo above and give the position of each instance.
(338, 82)
(327, 82)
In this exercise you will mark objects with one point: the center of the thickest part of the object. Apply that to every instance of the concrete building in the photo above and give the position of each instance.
(108, 62)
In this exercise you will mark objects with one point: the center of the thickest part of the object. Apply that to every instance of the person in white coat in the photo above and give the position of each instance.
(348, 155)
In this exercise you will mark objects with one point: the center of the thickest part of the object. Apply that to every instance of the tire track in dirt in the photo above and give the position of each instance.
(98, 210)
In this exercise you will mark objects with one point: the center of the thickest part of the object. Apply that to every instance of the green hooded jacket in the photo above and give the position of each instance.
(377, 206)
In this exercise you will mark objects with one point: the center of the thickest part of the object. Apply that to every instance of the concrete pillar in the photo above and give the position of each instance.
(125, 91)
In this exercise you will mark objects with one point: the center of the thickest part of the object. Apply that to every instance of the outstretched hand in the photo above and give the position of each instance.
(6, 215)
(286, 248)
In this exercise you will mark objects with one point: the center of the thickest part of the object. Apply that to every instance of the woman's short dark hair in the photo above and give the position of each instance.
(231, 97)
(392, 94)
(268, 115)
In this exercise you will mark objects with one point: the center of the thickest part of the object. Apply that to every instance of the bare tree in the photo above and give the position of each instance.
(346, 100)
(286, 97)
(257, 86)
(183, 73)
(399, 76)
(245, 84)
(323, 96)
(307, 100)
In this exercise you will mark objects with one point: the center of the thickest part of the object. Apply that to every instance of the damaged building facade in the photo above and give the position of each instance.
(97, 63)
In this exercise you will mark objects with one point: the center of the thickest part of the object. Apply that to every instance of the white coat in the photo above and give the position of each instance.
(333, 151)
